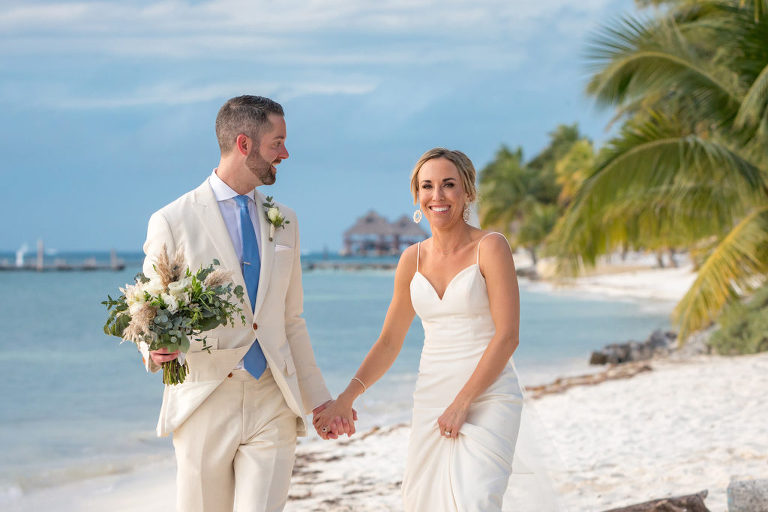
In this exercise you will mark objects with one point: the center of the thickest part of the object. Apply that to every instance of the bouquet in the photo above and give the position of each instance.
(172, 307)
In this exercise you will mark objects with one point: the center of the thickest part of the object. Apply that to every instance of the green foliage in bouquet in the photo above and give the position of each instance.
(743, 326)
(175, 305)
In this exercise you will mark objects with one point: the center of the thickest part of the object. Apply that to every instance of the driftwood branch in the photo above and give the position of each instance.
(624, 371)
(689, 503)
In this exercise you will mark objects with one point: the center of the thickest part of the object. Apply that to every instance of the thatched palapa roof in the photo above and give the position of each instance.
(405, 227)
(371, 224)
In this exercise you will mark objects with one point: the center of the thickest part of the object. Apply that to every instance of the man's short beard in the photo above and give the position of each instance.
(261, 168)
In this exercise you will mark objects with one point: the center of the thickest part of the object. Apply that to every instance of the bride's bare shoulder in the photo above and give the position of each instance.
(408, 257)
(494, 246)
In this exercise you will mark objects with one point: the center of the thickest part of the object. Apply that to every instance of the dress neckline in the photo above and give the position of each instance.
(432, 287)
(475, 264)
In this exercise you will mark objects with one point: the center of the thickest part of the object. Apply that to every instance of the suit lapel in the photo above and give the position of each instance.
(210, 218)
(267, 252)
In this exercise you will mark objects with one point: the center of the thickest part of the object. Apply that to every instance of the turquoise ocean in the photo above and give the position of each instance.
(76, 404)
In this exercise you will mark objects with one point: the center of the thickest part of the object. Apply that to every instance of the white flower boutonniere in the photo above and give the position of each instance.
(274, 217)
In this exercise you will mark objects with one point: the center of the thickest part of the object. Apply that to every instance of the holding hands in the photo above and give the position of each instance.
(334, 418)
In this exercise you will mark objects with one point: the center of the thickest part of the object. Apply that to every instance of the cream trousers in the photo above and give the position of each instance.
(237, 449)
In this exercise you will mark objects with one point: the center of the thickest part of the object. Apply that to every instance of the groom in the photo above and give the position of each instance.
(236, 417)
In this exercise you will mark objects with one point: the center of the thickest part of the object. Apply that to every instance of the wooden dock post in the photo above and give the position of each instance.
(40, 265)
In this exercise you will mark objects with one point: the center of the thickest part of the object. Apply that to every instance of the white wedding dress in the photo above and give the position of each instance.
(470, 473)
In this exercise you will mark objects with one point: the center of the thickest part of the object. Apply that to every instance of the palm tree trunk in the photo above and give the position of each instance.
(672, 259)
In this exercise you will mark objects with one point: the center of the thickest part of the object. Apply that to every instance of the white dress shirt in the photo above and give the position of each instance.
(230, 211)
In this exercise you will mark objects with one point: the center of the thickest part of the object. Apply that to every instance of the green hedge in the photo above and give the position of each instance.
(743, 326)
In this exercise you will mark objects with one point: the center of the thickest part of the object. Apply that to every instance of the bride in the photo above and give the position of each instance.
(467, 403)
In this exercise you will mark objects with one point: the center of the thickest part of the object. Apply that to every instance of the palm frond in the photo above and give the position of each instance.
(753, 107)
(737, 265)
(655, 181)
(636, 58)
(760, 7)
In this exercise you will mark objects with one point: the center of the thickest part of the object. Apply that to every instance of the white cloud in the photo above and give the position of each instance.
(178, 94)
(313, 46)
(123, 28)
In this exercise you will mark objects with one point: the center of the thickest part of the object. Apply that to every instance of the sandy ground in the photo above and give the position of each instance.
(683, 427)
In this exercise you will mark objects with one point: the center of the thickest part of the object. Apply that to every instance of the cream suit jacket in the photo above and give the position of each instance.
(194, 223)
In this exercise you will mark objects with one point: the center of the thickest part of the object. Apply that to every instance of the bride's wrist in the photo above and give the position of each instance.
(462, 402)
(346, 398)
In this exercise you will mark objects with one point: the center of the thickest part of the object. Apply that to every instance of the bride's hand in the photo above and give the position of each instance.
(451, 420)
(334, 419)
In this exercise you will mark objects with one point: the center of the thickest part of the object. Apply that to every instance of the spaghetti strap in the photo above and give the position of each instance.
(418, 251)
(478, 247)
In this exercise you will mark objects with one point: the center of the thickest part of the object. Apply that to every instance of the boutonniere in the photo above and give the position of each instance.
(274, 217)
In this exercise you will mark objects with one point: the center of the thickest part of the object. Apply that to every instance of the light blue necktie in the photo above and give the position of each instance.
(253, 360)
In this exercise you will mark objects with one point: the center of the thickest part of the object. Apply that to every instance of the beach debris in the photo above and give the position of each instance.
(696, 344)
(660, 343)
(561, 384)
(689, 503)
(748, 495)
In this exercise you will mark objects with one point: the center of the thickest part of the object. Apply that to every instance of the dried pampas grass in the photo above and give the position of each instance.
(138, 328)
(218, 277)
(169, 271)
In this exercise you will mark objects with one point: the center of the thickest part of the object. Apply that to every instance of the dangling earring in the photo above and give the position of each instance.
(465, 215)
(417, 216)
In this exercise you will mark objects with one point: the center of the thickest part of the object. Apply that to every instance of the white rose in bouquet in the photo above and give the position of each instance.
(273, 214)
(171, 302)
(179, 288)
(154, 287)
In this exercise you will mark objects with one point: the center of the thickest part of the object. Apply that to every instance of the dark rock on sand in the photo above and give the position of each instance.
(659, 344)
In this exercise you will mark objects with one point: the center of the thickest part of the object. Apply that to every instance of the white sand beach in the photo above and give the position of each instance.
(635, 278)
(680, 428)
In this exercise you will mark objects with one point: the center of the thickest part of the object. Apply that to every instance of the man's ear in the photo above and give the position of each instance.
(243, 144)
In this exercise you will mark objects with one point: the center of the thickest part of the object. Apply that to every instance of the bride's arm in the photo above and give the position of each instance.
(498, 267)
(383, 353)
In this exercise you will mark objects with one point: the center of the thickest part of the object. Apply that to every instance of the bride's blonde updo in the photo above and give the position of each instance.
(460, 160)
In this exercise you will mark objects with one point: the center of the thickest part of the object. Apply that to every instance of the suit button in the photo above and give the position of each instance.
(230, 375)
(255, 326)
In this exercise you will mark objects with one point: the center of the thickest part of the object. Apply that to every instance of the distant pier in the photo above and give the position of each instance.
(59, 264)
(63, 266)
(350, 265)
(361, 264)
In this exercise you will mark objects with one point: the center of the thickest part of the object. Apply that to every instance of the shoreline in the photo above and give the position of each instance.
(664, 285)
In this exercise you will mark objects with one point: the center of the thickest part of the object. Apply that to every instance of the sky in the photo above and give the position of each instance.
(107, 109)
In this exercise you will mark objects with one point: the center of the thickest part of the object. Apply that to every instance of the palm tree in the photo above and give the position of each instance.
(503, 191)
(572, 169)
(535, 228)
(688, 167)
(520, 198)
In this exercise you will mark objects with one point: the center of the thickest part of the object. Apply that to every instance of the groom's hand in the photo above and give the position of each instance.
(327, 434)
(162, 355)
